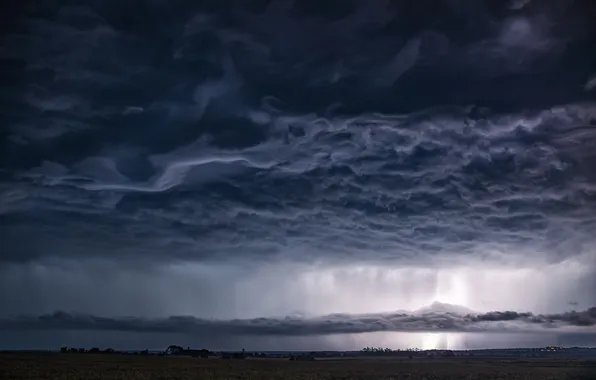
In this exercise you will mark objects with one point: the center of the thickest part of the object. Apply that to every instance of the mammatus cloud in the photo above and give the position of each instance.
(436, 318)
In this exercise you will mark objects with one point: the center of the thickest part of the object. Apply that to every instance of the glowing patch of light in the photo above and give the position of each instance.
(452, 289)
(431, 341)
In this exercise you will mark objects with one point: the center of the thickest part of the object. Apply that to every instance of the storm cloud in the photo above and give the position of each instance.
(430, 320)
(273, 158)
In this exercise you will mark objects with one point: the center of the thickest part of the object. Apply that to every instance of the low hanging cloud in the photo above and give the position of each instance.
(437, 318)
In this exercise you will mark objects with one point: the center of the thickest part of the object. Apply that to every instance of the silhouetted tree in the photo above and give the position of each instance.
(94, 350)
(375, 350)
(63, 349)
(204, 353)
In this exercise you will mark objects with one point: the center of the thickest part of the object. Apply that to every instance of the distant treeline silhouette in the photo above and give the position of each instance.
(175, 350)
(171, 350)
(93, 350)
(410, 352)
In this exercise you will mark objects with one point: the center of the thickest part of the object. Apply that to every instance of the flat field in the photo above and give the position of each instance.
(103, 367)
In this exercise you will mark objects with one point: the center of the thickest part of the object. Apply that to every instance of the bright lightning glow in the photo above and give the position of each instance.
(431, 341)
(451, 289)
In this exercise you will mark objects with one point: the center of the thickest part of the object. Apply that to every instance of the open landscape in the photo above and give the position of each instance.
(97, 366)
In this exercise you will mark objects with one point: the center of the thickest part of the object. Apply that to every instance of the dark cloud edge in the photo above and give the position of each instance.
(421, 321)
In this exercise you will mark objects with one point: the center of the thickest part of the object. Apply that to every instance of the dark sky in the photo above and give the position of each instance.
(298, 175)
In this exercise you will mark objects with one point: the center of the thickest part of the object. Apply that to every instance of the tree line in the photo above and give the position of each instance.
(93, 350)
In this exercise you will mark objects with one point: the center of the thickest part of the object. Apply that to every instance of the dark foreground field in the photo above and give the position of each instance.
(89, 366)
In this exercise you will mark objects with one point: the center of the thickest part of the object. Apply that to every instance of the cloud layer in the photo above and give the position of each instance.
(437, 318)
(126, 140)
(415, 188)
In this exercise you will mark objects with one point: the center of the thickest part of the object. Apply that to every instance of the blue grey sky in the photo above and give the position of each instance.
(280, 175)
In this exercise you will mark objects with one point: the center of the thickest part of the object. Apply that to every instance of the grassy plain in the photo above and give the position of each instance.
(36, 366)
